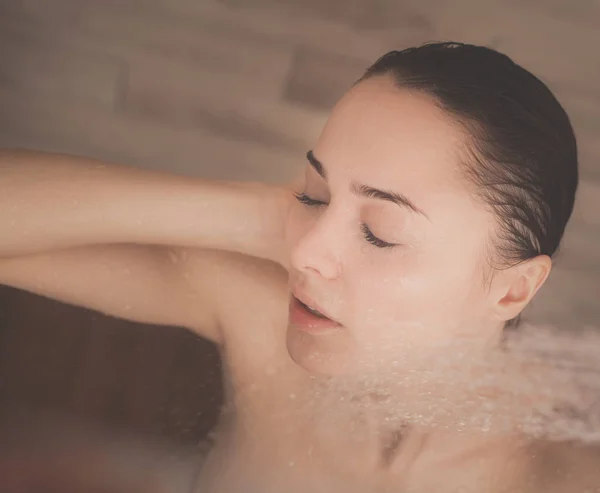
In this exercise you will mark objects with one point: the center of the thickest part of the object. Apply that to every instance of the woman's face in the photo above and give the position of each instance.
(387, 238)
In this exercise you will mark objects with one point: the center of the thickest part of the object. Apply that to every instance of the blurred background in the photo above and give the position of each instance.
(233, 89)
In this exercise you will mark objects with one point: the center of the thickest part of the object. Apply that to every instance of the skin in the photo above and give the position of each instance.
(297, 418)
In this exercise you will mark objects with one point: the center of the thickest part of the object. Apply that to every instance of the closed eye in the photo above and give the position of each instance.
(306, 200)
(367, 233)
(372, 239)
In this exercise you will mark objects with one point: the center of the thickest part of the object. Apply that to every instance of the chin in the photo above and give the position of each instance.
(320, 354)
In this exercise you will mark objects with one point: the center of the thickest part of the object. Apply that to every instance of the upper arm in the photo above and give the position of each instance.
(141, 283)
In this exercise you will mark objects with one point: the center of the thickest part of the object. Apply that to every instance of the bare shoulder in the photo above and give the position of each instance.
(243, 288)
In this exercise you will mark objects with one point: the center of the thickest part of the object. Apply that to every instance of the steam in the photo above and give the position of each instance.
(542, 381)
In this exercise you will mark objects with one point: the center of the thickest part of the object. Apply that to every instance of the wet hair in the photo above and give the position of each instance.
(520, 151)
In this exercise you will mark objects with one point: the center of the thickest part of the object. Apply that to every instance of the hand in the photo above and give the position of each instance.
(278, 202)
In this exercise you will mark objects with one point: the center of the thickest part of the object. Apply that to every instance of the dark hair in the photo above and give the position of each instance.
(521, 149)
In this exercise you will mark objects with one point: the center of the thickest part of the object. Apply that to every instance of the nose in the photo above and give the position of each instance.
(319, 250)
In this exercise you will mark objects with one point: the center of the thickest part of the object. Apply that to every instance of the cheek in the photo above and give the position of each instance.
(413, 291)
(384, 297)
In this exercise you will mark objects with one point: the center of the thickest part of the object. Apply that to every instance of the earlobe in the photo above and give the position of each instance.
(522, 283)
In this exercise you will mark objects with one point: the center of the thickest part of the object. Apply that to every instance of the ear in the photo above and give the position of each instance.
(519, 284)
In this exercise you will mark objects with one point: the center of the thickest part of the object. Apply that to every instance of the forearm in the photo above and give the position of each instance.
(50, 202)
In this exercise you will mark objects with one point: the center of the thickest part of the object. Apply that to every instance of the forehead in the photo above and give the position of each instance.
(391, 136)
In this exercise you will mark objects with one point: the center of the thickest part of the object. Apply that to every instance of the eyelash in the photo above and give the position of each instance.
(367, 233)
(306, 200)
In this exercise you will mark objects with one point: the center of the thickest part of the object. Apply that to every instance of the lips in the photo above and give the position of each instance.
(307, 315)
(312, 305)
(315, 312)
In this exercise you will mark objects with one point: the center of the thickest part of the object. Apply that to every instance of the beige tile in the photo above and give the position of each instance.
(338, 10)
(236, 106)
(130, 32)
(40, 13)
(374, 14)
(291, 25)
(580, 250)
(589, 155)
(583, 108)
(570, 297)
(318, 80)
(589, 159)
(55, 70)
(141, 142)
(583, 11)
(587, 205)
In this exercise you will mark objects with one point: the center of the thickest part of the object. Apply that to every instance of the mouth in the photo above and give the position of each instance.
(306, 316)
(312, 310)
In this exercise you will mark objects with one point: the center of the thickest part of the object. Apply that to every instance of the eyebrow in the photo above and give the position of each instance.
(368, 191)
(316, 164)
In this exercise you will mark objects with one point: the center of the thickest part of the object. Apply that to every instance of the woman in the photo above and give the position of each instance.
(425, 223)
